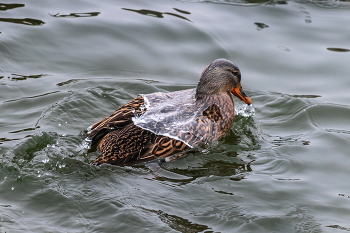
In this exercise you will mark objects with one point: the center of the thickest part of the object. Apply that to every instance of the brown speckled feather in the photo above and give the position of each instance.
(132, 145)
(213, 113)
(120, 118)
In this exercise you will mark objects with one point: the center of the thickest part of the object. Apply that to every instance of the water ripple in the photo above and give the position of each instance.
(158, 14)
(25, 21)
(76, 15)
(5, 7)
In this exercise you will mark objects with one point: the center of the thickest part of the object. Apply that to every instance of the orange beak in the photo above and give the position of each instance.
(238, 91)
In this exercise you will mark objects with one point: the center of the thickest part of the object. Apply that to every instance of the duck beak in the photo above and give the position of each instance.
(238, 91)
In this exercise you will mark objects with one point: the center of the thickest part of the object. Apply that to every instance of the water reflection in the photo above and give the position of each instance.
(261, 25)
(339, 227)
(30, 97)
(290, 140)
(25, 21)
(239, 2)
(177, 223)
(179, 175)
(5, 7)
(8, 139)
(338, 49)
(18, 77)
(76, 15)
(278, 2)
(331, 3)
(305, 13)
(158, 14)
(305, 96)
(212, 168)
(283, 48)
(319, 3)
(68, 82)
(182, 11)
(25, 130)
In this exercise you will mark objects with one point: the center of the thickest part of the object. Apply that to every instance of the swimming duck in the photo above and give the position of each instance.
(167, 125)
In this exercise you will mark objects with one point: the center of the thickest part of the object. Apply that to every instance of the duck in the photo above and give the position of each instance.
(167, 126)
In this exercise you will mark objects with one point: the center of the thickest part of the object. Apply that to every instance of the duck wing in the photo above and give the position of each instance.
(132, 145)
(117, 120)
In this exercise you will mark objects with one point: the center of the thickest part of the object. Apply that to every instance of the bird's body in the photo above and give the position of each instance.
(160, 125)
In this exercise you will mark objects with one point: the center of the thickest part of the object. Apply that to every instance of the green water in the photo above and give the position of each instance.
(66, 64)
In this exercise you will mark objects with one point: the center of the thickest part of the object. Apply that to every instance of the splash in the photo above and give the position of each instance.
(169, 114)
(85, 145)
(243, 109)
(178, 115)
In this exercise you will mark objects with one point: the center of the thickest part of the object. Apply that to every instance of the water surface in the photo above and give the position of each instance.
(65, 65)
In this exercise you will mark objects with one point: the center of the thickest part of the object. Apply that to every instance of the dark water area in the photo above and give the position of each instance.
(66, 64)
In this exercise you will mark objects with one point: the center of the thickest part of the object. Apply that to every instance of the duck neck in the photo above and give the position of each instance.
(203, 91)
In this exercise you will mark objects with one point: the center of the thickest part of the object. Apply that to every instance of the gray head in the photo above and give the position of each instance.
(221, 76)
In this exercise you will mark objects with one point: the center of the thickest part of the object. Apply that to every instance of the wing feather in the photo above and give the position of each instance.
(118, 119)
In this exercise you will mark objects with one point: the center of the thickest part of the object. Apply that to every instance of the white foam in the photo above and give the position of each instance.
(243, 109)
(174, 115)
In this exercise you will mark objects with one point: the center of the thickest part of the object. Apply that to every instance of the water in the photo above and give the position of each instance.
(65, 65)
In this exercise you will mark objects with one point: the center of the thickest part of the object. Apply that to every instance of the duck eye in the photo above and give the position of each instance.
(232, 72)
(235, 73)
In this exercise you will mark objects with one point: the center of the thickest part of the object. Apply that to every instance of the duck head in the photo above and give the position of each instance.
(221, 76)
